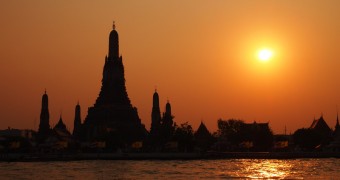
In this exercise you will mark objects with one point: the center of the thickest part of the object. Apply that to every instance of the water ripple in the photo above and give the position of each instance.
(195, 169)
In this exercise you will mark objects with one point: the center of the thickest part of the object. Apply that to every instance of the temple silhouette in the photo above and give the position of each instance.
(112, 124)
(113, 118)
(44, 125)
(162, 127)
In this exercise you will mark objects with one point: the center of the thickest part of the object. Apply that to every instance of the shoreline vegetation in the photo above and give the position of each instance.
(36, 157)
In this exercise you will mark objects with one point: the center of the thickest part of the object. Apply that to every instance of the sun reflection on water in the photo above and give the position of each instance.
(175, 169)
(260, 169)
(268, 169)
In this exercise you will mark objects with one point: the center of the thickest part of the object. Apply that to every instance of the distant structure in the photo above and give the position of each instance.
(337, 126)
(167, 116)
(44, 125)
(77, 123)
(257, 126)
(61, 127)
(202, 132)
(10, 132)
(162, 127)
(261, 137)
(168, 128)
(320, 126)
(60, 137)
(203, 137)
(112, 118)
(155, 117)
(335, 143)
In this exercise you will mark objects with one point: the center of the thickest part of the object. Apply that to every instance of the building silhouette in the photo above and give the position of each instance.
(77, 123)
(155, 119)
(336, 133)
(60, 125)
(60, 129)
(335, 143)
(167, 126)
(203, 137)
(202, 132)
(320, 126)
(167, 116)
(60, 138)
(162, 127)
(112, 118)
(44, 125)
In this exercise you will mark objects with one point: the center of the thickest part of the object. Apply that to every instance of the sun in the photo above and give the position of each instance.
(265, 55)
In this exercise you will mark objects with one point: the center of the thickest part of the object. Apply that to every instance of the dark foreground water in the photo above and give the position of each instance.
(190, 169)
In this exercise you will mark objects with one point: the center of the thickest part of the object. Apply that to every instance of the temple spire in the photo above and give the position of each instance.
(168, 108)
(112, 110)
(155, 115)
(113, 43)
(77, 121)
(44, 125)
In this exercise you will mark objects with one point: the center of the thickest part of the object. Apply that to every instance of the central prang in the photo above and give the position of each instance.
(112, 118)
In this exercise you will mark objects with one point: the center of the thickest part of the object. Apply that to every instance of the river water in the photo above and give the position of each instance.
(174, 169)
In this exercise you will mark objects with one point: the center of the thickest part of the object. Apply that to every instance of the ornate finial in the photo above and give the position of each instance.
(113, 25)
(45, 90)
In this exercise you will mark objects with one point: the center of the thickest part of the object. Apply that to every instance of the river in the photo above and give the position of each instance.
(328, 168)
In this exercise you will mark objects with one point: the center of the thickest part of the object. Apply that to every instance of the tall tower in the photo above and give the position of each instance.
(155, 116)
(167, 123)
(44, 125)
(112, 117)
(77, 122)
(168, 109)
(167, 116)
(113, 90)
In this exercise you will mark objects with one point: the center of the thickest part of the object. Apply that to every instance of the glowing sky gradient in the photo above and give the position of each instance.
(200, 55)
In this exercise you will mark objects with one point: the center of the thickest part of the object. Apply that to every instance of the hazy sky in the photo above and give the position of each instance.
(200, 55)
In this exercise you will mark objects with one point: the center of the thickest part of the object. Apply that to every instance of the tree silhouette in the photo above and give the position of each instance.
(184, 136)
(236, 133)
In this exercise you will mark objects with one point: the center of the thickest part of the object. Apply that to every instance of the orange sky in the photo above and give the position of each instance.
(200, 55)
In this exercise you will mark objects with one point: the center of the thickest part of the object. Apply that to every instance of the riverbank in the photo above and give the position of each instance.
(8, 157)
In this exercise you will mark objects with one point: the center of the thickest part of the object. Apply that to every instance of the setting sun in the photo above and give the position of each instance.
(265, 55)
